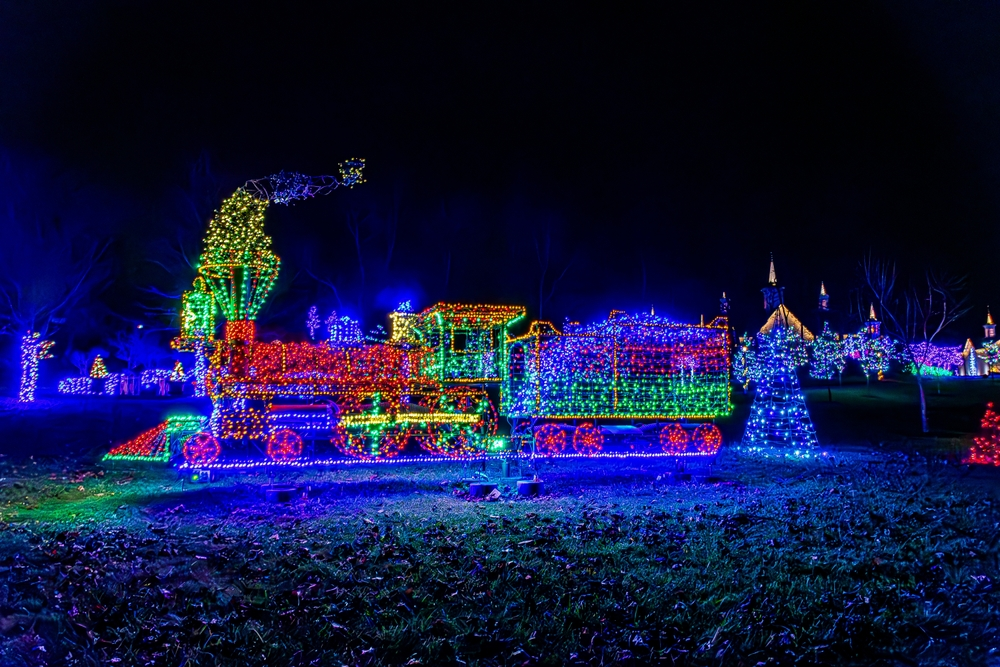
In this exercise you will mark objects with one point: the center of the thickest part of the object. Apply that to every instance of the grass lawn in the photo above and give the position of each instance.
(884, 551)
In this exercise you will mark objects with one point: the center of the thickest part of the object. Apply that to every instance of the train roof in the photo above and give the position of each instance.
(478, 316)
(617, 319)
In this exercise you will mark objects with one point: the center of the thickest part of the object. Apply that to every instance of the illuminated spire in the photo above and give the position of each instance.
(822, 288)
(724, 304)
(824, 298)
(871, 313)
(989, 318)
(773, 295)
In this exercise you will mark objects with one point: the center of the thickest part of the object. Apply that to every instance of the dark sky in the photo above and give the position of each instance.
(664, 153)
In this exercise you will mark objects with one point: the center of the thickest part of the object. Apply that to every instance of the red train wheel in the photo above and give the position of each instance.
(588, 439)
(201, 449)
(392, 441)
(451, 440)
(349, 444)
(284, 446)
(674, 439)
(550, 439)
(707, 439)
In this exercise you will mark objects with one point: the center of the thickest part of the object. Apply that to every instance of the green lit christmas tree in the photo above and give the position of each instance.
(827, 357)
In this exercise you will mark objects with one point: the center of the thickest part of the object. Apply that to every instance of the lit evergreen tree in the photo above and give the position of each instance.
(98, 370)
(779, 417)
(745, 366)
(986, 450)
(873, 353)
(827, 357)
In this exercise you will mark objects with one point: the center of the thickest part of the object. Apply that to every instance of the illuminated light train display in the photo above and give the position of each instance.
(451, 382)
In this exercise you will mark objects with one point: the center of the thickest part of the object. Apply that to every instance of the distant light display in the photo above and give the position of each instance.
(98, 370)
(109, 385)
(986, 447)
(112, 385)
(936, 360)
(873, 352)
(153, 376)
(991, 355)
(779, 417)
(930, 371)
(177, 374)
(633, 366)
(343, 331)
(75, 386)
(312, 322)
(827, 355)
(33, 350)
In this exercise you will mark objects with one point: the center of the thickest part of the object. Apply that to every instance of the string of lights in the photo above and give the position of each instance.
(257, 464)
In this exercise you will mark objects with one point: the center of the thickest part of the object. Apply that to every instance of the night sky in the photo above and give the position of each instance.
(660, 155)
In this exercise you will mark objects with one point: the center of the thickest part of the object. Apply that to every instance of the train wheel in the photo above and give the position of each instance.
(550, 439)
(348, 443)
(588, 439)
(707, 439)
(392, 441)
(454, 440)
(284, 446)
(674, 439)
(201, 449)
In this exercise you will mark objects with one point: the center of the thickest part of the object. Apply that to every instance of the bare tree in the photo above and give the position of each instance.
(392, 224)
(189, 210)
(916, 312)
(49, 264)
(355, 223)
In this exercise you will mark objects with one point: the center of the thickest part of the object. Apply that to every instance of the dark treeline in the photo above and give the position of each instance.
(571, 161)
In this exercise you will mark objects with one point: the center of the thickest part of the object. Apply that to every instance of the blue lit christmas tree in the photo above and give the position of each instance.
(779, 417)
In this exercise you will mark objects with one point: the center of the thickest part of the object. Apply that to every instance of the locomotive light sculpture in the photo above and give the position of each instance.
(437, 388)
